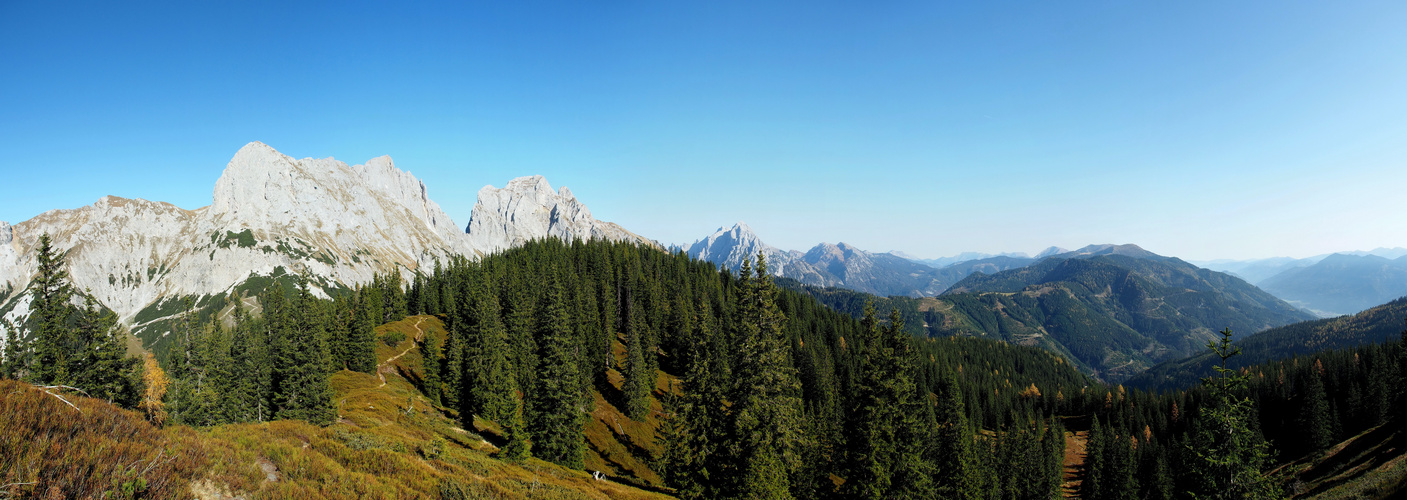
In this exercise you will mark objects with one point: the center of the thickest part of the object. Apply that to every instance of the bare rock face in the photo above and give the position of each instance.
(728, 247)
(527, 209)
(333, 222)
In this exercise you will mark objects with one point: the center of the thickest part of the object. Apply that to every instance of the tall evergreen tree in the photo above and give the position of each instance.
(54, 344)
(1314, 418)
(956, 474)
(888, 431)
(16, 363)
(300, 365)
(557, 419)
(765, 416)
(1228, 455)
(639, 380)
(430, 367)
(362, 344)
(102, 367)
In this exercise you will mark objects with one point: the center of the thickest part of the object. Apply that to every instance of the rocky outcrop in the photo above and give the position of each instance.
(527, 209)
(338, 224)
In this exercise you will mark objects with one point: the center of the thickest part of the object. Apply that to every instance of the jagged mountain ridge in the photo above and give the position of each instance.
(270, 213)
(826, 264)
(526, 209)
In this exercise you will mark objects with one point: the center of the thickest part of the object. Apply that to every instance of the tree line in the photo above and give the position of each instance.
(758, 391)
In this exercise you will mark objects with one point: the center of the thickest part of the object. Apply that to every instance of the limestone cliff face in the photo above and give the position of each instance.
(527, 209)
(728, 247)
(336, 223)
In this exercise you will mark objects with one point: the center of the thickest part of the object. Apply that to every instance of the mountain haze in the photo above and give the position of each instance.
(1341, 283)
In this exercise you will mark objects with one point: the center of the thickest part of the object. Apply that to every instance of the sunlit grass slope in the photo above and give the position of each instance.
(388, 442)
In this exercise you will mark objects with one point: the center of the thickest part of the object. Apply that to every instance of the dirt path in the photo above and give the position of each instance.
(381, 368)
(1074, 470)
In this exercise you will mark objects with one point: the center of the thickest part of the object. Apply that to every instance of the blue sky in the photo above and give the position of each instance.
(1196, 129)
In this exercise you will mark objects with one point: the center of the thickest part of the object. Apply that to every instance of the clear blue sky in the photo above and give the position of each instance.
(1196, 129)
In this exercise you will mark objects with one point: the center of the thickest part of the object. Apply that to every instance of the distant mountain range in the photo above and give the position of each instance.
(971, 256)
(1341, 283)
(1327, 285)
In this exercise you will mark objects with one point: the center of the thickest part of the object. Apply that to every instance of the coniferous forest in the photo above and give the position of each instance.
(756, 391)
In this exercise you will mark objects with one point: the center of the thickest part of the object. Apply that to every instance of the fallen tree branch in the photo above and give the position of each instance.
(49, 389)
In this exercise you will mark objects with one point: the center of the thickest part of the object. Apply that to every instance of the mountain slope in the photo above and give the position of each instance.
(1375, 325)
(1116, 309)
(1341, 284)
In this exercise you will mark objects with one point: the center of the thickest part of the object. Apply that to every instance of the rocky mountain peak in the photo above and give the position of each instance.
(7, 234)
(526, 209)
(728, 247)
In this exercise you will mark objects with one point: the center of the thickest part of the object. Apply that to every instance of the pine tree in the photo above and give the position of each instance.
(54, 344)
(518, 448)
(430, 367)
(1314, 418)
(15, 364)
(639, 381)
(557, 419)
(102, 367)
(954, 461)
(765, 418)
(363, 344)
(300, 365)
(692, 447)
(1227, 454)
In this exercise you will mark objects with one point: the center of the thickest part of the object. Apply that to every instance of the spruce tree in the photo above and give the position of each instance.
(1314, 417)
(430, 367)
(765, 416)
(887, 423)
(691, 449)
(15, 364)
(956, 474)
(1227, 454)
(518, 447)
(639, 380)
(363, 344)
(557, 419)
(300, 365)
(54, 344)
(102, 367)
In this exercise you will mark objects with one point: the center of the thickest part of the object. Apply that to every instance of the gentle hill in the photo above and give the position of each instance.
(1116, 309)
(1341, 284)
(1379, 324)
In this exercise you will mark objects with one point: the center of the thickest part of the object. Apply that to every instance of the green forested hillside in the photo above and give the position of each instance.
(525, 370)
(1115, 314)
(1375, 325)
